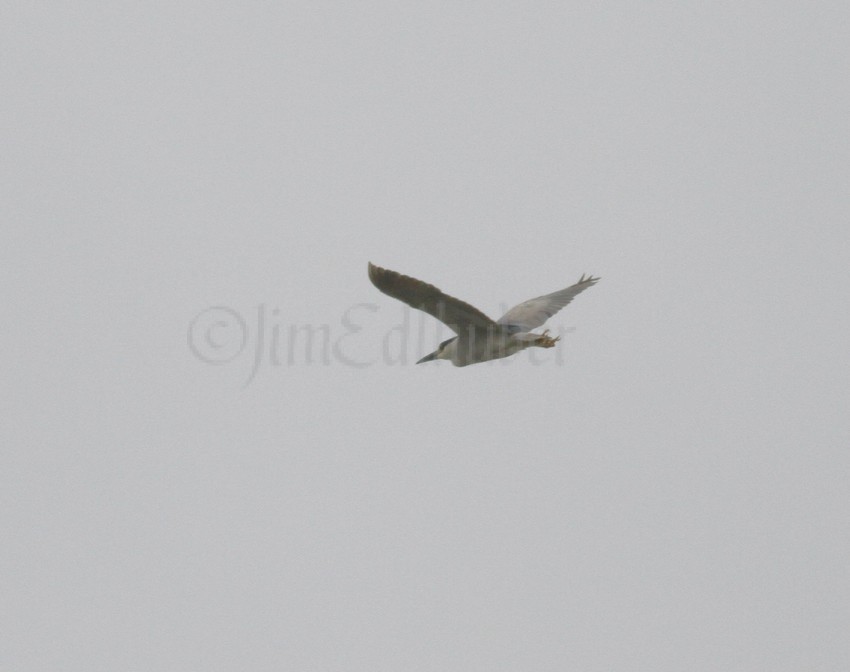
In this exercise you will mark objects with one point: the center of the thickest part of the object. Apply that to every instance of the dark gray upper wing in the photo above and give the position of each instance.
(458, 315)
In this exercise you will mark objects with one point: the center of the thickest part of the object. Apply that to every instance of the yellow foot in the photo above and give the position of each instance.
(546, 341)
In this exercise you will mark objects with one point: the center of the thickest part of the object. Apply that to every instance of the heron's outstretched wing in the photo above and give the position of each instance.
(458, 315)
(534, 312)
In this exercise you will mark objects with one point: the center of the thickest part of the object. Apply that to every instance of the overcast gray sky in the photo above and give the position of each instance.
(191, 191)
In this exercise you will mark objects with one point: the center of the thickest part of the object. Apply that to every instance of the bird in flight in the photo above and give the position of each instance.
(479, 339)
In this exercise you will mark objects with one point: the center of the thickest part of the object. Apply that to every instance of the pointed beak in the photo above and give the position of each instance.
(428, 358)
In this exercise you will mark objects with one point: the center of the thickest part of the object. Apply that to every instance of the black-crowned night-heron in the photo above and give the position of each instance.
(479, 338)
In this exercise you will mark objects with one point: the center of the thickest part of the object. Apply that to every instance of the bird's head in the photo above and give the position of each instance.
(443, 351)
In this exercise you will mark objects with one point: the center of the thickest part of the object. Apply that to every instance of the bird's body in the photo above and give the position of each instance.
(481, 346)
(479, 339)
